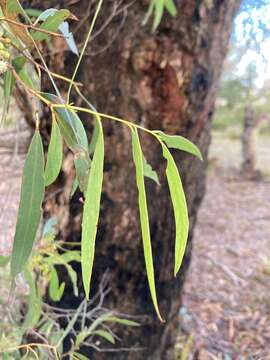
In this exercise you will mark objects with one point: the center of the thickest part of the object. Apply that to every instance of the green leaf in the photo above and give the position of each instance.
(9, 82)
(32, 193)
(138, 161)
(91, 210)
(170, 7)
(122, 321)
(180, 143)
(55, 291)
(70, 126)
(94, 138)
(159, 9)
(33, 12)
(72, 129)
(52, 24)
(149, 172)
(179, 207)
(82, 165)
(34, 303)
(18, 63)
(64, 259)
(14, 7)
(105, 334)
(80, 356)
(55, 155)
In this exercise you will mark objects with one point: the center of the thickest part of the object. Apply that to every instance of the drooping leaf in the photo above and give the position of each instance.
(105, 335)
(32, 193)
(91, 210)
(159, 9)
(149, 172)
(55, 155)
(70, 126)
(51, 23)
(64, 29)
(179, 207)
(122, 321)
(170, 7)
(9, 82)
(94, 138)
(180, 143)
(138, 161)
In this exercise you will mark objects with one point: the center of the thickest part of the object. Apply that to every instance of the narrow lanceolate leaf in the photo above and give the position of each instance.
(170, 7)
(70, 126)
(138, 161)
(91, 210)
(179, 207)
(55, 155)
(9, 82)
(32, 193)
(180, 143)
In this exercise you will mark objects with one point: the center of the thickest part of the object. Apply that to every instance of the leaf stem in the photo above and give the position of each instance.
(84, 48)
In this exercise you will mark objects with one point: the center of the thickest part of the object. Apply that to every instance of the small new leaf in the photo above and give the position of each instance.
(180, 143)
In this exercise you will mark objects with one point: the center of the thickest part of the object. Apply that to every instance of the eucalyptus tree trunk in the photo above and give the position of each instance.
(167, 81)
(249, 143)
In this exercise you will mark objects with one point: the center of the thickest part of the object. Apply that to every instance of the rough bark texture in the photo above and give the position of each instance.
(165, 81)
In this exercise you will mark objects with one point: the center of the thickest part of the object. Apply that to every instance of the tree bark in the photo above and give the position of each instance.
(249, 143)
(167, 81)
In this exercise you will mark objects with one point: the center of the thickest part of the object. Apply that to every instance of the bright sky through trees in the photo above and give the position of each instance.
(252, 29)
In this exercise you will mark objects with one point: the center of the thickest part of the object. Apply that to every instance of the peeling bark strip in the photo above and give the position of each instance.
(166, 81)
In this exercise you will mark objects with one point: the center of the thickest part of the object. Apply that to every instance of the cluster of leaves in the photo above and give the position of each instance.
(157, 8)
(67, 128)
(36, 333)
